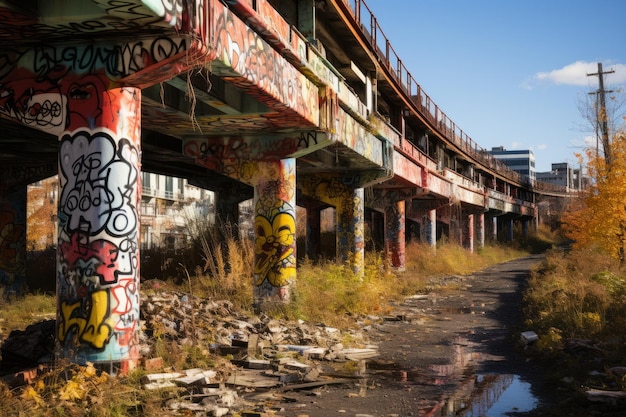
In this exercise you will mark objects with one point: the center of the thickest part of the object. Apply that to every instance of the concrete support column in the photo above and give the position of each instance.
(12, 236)
(227, 206)
(470, 232)
(480, 231)
(525, 229)
(313, 237)
(99, 208)
(351, 229)
(395, 242)
(275, 232)
(377, 229)
(494, 228)
(509, 229)
(431, 228)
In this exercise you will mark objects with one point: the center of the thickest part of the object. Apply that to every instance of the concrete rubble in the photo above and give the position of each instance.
(252, 354)
(260, 354)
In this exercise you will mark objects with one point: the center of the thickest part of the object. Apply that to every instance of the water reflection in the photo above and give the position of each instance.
(492, 395)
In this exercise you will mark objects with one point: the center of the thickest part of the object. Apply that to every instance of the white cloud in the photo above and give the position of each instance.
(542, 147)
(577, 74)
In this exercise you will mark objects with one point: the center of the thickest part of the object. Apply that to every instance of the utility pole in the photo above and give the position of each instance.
(601, 116)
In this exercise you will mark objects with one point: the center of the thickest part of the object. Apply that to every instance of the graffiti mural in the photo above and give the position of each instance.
(247, 61)
(58, 89)
(93, 200)
(395, 233)
(239, 157)
(346, 194)
(275, 231)
(98, 250)
(351, 228)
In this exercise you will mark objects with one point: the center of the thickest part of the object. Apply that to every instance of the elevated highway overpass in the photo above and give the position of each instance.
(292, 103)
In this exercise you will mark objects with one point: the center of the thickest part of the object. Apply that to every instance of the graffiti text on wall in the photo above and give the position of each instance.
(85, 163)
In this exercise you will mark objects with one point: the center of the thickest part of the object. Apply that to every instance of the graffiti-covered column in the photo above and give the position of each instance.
(395, 234)
(98, 248)
(480, 230)
(12, 235)
(351, 229)
(345, 194)
(275, 231)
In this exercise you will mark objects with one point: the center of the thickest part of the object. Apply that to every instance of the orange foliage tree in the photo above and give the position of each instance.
(599, 219)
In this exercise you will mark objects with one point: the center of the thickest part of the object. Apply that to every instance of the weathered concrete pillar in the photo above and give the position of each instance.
(470, 232)
(494, 228)
(98, 248)
(313, 235)
(525, 229)
(351, 229)
(395, 242)
(275, 231)
(347, 196)
(509, 229)
(480, 230)
(228, 196)
(12, 235)
(431, 228)
(377, 229)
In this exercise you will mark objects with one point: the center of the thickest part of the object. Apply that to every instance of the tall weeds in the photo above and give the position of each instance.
(579, 294)
(228, 262)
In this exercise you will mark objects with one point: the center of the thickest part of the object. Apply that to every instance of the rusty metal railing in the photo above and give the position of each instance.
(390, 59)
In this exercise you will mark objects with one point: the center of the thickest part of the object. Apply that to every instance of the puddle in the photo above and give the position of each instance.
(492, 395)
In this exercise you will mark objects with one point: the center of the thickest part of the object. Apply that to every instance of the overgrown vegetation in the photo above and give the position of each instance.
(577, 294)
(576, 301)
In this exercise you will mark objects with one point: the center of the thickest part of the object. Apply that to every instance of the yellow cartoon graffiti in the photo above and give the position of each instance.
(90, 321)
(275, 249)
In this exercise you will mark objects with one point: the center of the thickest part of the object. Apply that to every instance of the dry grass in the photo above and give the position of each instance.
(17, 314)
(579, 294)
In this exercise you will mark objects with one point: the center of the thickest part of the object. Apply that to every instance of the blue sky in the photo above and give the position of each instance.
(512, 73)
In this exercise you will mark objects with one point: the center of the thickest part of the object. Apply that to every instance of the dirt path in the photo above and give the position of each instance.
(432, 347)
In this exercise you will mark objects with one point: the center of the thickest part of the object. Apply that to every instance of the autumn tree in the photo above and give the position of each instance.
(599, 220)
(41, 215)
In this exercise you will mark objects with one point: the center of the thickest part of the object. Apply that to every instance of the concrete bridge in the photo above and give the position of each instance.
(298, 102)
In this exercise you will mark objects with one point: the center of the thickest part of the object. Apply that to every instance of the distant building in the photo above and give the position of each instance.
(168, 207)
(564, 175)
(520, 161)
